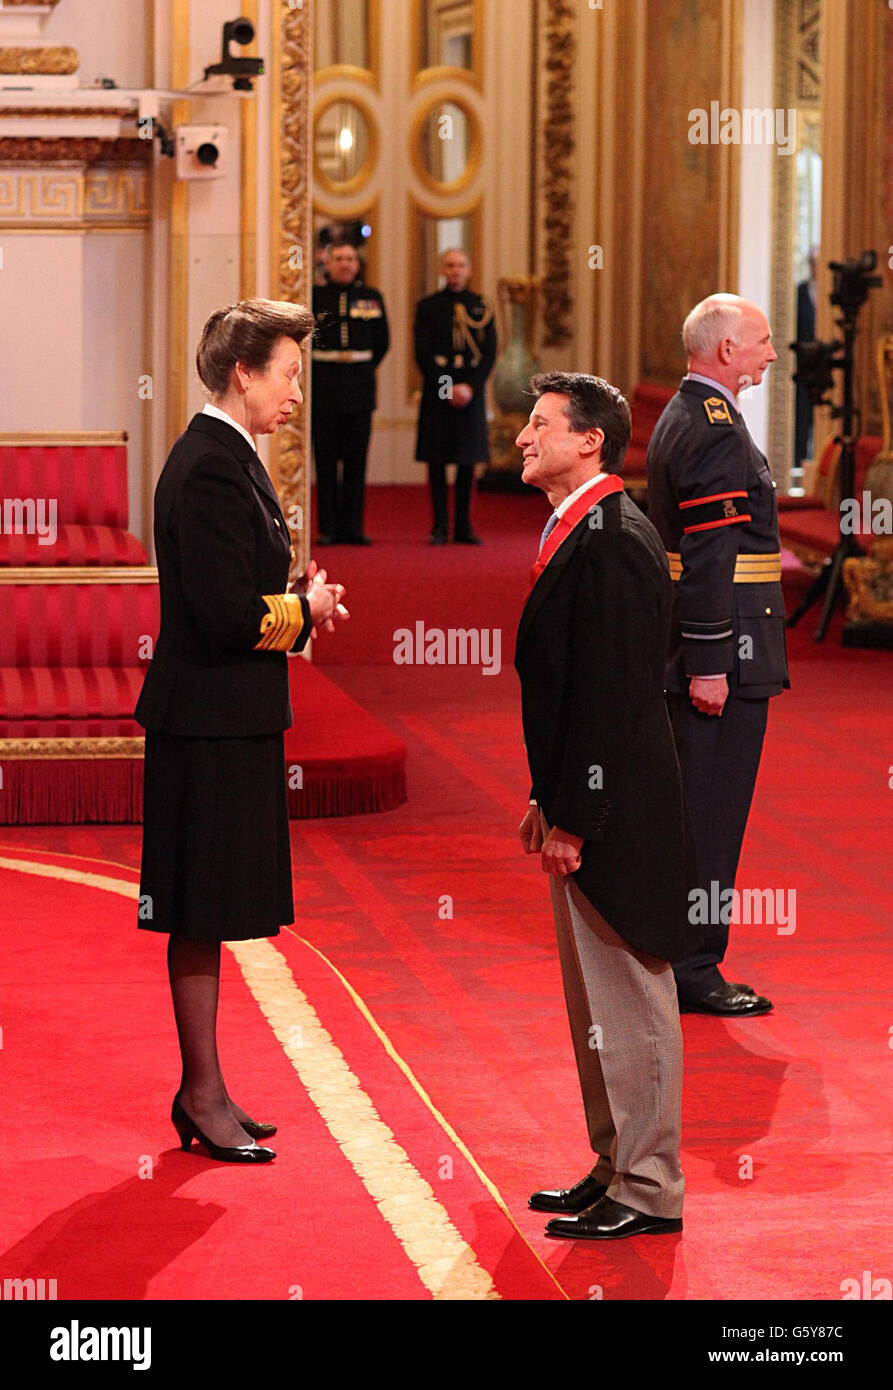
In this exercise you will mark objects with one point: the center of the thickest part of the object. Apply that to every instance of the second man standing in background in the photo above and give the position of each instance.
(455, 349)
(351, 339)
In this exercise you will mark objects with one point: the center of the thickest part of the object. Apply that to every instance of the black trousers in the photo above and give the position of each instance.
(341, 439)
(719, 758)
(464, 483)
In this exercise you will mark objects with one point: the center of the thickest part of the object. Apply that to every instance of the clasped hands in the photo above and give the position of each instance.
(462, 395)
(559, 852)
(323, 599)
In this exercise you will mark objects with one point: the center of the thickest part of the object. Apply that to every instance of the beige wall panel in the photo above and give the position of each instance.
(42, 312)
(113, 354)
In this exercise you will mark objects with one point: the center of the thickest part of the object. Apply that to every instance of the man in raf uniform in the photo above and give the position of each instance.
(455, 349)
(712, 499)
(351, 339)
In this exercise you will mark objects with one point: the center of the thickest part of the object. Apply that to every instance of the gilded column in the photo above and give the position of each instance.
(291, 256)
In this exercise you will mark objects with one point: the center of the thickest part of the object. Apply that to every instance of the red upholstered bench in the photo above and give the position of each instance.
(646, 406)
(63, 500)
(74, 646)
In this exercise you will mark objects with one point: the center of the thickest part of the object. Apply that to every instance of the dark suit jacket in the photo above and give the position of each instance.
(221, 543)
(591, 654)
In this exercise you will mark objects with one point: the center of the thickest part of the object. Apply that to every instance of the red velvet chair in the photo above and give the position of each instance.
(647, 404)
(73, 652)
(84, 476)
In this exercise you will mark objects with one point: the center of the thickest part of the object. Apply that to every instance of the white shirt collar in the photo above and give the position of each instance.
(228, 420)
(708, 381)
(569, 501)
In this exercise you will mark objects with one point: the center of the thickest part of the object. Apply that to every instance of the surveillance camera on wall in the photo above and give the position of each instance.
(241, 70)
(202, 151)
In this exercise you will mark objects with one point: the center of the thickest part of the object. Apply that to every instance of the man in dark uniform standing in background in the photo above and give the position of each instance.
(712, 499)
(351, 339)
(455, 349)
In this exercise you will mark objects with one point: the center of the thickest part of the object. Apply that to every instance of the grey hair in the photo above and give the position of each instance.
(715, 318)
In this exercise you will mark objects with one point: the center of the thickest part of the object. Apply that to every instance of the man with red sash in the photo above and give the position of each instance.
(606, 808)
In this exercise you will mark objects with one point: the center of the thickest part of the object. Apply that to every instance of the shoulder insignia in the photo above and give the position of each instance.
(718, 412)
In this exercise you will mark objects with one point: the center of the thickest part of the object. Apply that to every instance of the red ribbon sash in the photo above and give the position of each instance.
(572, 517)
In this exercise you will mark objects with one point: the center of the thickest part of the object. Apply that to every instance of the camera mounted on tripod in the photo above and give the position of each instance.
(817, 362)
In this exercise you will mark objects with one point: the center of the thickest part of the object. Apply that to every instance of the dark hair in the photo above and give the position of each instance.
(593, 404)
(247, 333)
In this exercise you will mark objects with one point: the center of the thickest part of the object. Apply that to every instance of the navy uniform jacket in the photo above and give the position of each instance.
(591, 654)
(350, 319)
(455, 337)
(222, 545)
(712, 499)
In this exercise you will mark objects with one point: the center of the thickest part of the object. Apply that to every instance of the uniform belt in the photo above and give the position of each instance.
(342, 355)
(749, 569)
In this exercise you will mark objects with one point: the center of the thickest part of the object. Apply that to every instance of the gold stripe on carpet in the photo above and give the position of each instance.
(446, 1264)
(420, 1091)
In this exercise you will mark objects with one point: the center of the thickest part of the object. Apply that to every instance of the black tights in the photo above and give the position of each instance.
(194, 969)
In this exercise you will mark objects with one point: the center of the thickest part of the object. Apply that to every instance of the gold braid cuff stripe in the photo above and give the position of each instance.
(281, 627)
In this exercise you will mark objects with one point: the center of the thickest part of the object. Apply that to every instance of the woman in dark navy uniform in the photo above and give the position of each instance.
(216, 862)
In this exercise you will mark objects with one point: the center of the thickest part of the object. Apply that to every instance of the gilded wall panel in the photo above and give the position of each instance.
(682, 194)
(290, 451)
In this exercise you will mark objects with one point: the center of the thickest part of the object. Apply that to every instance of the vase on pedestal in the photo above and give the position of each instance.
(517, 301)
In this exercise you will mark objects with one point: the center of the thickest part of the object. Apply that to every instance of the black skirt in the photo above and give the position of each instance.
(216, 862)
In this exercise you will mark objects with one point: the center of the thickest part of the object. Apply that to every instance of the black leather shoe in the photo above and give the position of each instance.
(258, 1131)
(467, 538)
(569, 1199)
(438, 538)
(325, 539)
(610, 1220)
(189, 1130)
(728, 1001)
(358, 540)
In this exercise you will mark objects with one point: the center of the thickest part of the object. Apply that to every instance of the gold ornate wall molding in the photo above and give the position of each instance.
(74, 199)
(73, 149)
(291, 252)
(45, 62)
(559, 145)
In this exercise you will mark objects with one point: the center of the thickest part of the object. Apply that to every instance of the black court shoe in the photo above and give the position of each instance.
(258, 1131)
(189, 1130)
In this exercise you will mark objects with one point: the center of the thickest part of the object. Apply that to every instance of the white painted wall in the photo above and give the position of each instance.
(110, 39)
(113, 351)
(42, 317)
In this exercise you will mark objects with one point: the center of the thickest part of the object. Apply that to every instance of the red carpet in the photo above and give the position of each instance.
(443, 930)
